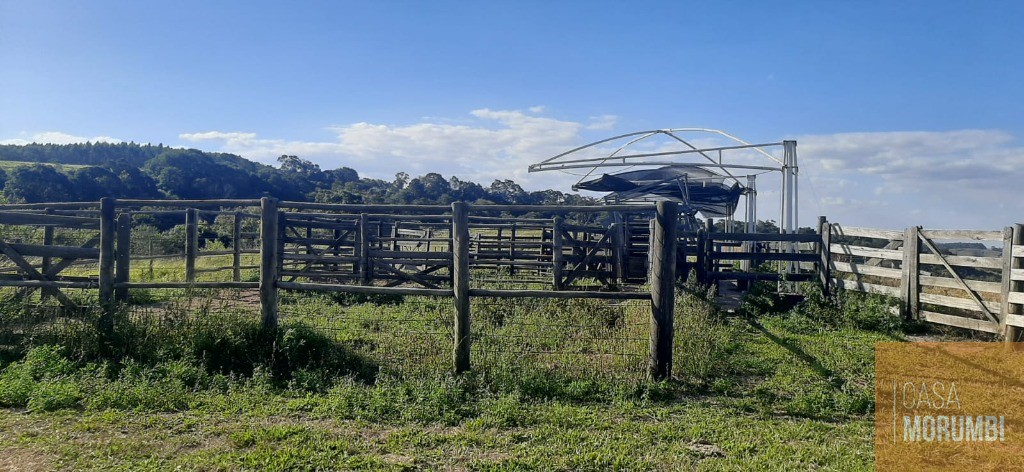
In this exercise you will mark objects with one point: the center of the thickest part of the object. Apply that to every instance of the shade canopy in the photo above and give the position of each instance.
(696, 188)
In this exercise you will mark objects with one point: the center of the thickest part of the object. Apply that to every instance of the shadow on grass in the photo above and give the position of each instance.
(827, 374)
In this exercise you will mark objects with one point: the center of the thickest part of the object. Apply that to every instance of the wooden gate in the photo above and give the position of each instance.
(40, 266)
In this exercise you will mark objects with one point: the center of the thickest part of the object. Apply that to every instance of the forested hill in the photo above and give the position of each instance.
(90, 171)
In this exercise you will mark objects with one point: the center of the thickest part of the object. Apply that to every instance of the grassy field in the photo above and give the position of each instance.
(11, 165)
(362, 384)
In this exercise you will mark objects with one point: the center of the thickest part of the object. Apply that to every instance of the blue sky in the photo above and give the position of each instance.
(894, 104)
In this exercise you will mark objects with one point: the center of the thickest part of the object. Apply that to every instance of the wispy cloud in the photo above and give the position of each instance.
(57, 137)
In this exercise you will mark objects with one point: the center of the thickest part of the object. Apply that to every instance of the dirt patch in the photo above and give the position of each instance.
(24, 459)
(704, 448)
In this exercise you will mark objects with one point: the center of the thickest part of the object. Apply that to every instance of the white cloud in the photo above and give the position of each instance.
(493, 144)
(941, 179)
(57, 137)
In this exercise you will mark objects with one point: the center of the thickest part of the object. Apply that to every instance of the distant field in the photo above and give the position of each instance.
(9, 165)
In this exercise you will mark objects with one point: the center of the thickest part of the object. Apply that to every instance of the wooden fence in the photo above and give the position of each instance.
(441, 251)
(976, 289)
(458, 250)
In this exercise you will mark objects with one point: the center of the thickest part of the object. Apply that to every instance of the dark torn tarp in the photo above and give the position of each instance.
(696, 188)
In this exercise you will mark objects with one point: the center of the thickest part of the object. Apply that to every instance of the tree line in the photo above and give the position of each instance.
(90, 171)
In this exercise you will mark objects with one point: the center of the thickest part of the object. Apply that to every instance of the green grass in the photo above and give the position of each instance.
(356, 383)
(10, 165)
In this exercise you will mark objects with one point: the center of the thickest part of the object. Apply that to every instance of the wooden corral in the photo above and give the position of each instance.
(463, 251)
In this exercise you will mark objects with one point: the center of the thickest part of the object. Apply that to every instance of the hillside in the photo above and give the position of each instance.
(89, 171)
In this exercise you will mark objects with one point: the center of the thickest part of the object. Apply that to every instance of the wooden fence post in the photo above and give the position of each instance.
(236, 248)
(191, 243)
(269, 233)
(824, 249)
(910, 281)
(124, 255)
(618, 241)
(106, 276)
(557, 256)
(47, 262)
(702, 254)
(460, 284)
(364, 250)
(1012, 236)
(663, 290)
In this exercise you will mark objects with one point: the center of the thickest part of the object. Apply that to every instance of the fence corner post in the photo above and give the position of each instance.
(107, 255)
(460, 285)
(122, 263)
(269, 237)
(1012, 236)
(909, 282)
(825, 250)
(663, 293)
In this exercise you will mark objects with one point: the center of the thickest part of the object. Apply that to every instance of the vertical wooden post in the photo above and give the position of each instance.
(45, 292)
(825, 264)
(512, 250)
(460, 284)
(1012, 236)
(702, 254)
(909, 282)
(269, 239)
(663, 289)
(191, 243)
(364, 250)
(618, 252)
(124, 258)
(106, 276)
(394, 235)
(710, 261)
(236, 248)
(557, 256)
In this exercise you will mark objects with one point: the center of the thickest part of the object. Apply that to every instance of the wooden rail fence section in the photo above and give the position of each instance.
(370, 249)
(448, 251)
(982, 292)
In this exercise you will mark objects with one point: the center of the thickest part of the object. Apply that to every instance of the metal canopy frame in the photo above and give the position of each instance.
(718, 158)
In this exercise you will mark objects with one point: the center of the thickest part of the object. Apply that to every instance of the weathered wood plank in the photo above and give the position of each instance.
(776, 237)
(864, 269)
(976, 285)
(960, 322)
(481, 292)
(365, 289)
(45, 284)
(840, 230)
(765, 256)
(128, 202)
(40, 250)
(40, 219)
(849, 250)
(964, 261)
(962, 234)
(866, 287)
(1015, 320)
(199, 285)
(956, 302)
